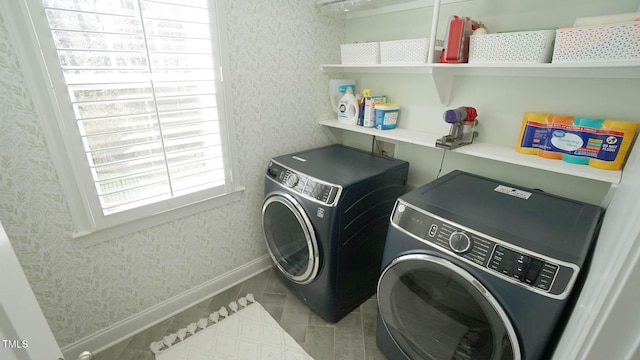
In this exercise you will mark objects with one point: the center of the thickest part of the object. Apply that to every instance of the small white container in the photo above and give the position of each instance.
(598, 43)
(514, 47)
(387, 116)
(405, 51)
(370, 103)
(360, 53)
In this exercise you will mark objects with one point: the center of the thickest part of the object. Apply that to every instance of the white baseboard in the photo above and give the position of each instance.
(132, 325)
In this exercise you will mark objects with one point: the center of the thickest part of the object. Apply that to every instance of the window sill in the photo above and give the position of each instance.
(90, 238)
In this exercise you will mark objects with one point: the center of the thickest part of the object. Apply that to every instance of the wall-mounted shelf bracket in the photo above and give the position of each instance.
(443, 83)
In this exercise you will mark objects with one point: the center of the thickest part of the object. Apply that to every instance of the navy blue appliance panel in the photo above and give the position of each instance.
(339, 164)
(542, 222)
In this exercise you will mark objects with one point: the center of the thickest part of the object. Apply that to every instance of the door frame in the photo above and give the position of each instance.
(22, 321)
(599, 324)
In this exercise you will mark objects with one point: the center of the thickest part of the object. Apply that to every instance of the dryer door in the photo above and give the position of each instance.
(290, 238)
(436, 310)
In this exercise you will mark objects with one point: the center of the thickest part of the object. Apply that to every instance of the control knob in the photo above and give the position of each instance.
(291, 180)
(459, 242)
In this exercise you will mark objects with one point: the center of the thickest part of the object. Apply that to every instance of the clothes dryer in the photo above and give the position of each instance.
(476, 268)
(325, 217)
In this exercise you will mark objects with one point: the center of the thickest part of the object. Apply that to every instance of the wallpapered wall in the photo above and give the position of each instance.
(276, 48)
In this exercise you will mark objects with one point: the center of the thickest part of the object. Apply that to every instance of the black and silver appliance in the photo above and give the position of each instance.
(325, 217)
(475, 268)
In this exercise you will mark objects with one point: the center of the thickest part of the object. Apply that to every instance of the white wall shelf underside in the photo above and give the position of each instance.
(374, 7)
(443, 74)
(487, 151)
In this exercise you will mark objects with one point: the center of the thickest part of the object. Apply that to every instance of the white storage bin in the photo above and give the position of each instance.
(360, 53)
(405, 51)
(513, 47)
(599, 43)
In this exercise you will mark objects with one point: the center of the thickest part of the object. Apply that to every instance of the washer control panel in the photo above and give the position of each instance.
(302, 184)
(526, 268)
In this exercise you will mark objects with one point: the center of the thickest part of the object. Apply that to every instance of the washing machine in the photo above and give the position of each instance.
(476, 268)
(325, 218)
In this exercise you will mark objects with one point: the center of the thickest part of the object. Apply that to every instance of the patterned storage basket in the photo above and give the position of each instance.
(600, 43)
(360, 53)
(513, 47)
(404, 51)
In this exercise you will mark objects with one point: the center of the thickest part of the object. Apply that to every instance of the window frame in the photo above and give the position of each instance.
(25, 19)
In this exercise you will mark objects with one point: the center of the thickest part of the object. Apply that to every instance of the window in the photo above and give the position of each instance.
(139, 102)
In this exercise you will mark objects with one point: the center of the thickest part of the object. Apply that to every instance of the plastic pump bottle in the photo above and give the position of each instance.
(348, 110)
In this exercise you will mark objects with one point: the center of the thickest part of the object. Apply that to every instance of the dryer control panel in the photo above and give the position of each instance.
(304, 185)
(534, 271)
(523, 267)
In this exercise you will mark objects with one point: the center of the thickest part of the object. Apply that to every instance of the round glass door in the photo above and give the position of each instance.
(290, 238)
(436, 310)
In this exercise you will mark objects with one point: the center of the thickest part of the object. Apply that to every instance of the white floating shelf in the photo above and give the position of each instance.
(348, 9)
(398, 134)
(623, 70)
(379, 68)
(487, 151)
(442, 74)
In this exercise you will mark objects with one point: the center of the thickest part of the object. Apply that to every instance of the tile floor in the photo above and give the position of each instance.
(352, 338)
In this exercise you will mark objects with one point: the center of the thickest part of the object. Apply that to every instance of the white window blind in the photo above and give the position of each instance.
(141, 79)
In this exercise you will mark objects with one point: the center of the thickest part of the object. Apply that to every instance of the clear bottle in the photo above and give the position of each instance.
(467, 131)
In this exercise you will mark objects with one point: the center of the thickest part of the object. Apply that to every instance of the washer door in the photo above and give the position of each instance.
(434, 309)
(290, 238)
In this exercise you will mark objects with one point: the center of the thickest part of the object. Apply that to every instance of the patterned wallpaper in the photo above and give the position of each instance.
(279, 94)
